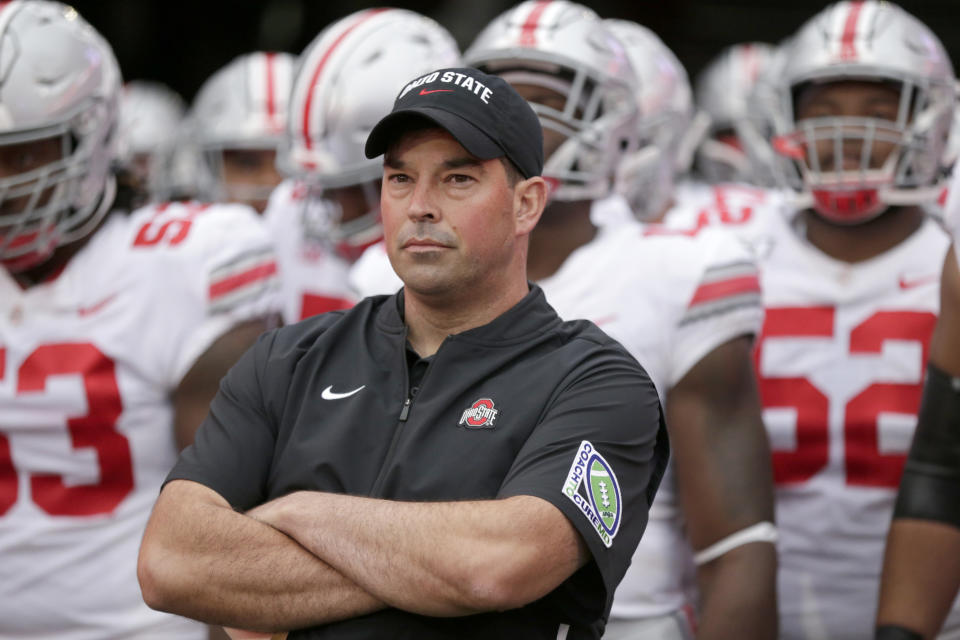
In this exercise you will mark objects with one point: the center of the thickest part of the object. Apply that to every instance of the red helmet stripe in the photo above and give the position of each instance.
(271, 102)
(323, 61)
(4, 4)
(528, 32)
(848, 47)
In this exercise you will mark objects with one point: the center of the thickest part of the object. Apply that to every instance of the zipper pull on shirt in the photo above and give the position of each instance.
(405, 411)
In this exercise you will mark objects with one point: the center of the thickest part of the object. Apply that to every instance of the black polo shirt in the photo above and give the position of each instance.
(525, 405)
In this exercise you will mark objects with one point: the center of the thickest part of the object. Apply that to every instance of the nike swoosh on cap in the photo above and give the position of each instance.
(330, 394)
(424, 92)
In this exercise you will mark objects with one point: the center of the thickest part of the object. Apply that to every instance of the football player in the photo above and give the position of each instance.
(723, 94)
(850, 275)
(151, 115)
(114, 331)
(237, 122)
(327, 211)
(646, 176)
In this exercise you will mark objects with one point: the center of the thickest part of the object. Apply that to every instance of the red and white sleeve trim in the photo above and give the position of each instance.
(724, 288)
(242, 279)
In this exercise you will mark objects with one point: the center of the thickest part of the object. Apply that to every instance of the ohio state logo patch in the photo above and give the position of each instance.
(480, 415)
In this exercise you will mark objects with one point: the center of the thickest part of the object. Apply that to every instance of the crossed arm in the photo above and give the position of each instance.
(201, 559)
(312, 558)
(192, 397)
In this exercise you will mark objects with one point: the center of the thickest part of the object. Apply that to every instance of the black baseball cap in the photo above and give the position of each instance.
(483, 112)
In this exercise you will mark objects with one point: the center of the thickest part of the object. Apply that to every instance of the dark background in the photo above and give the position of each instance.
(181, 43)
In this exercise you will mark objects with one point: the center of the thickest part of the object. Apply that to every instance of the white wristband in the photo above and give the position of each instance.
(760, 532)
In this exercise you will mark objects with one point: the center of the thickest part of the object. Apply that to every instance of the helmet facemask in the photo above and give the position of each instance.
(322, 218)
(596, 121)
(241, 109)
(62, 196)
(647, 174)
(852, 168)
(254, 185)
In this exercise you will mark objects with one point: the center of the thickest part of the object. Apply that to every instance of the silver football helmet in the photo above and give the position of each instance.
(60, 83)
(243, 106)
(724, 91)
(151, 115)
(953, 140)
(646, 176)
(564, 47)
(875, 42)
(345, 82)
(184, 168)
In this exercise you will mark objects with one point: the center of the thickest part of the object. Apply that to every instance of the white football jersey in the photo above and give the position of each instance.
(670, 300)
(740, 207)
(314, 278)
(841, 361)
(88, 362)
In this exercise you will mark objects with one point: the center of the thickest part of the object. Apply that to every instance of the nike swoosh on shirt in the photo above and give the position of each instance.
(917, 282)
(86, 311)
(425, 92)
(330, 394)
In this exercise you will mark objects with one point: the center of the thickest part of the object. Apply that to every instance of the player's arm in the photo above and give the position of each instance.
(253, 576)
(921, 567)
(436, 558)
(192, 397)
(722, 461)
(224, 280)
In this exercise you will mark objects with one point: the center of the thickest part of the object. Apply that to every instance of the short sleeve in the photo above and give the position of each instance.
(237, 273)
(208, 268)
(725, 302)
(233, 448)
(598, 455)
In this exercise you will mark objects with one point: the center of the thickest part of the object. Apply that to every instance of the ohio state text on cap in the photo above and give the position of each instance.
(483, 112)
